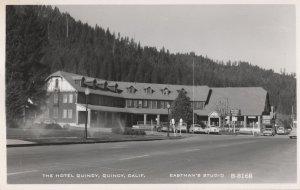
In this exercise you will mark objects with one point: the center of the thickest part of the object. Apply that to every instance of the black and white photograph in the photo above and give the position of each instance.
(149, 94)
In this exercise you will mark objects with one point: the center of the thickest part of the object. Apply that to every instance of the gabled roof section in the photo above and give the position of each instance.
(70, 78)
(250, 100)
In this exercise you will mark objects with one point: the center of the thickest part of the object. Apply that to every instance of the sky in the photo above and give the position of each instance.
(263, 35)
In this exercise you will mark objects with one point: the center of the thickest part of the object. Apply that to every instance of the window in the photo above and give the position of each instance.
(55, 98)
(55, 112)
(154, 104)
(135, 103)
(65, 113)
(148, 90)
(140, 103)
(130, 103)
(145, 103)
(162, 104)
(150, 104)
(70, 114)
(70, 98)
(56, 83)
(165, 91)
(65, 98)
(131, 90)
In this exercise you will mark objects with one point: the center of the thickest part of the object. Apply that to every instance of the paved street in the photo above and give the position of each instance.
(198, 159)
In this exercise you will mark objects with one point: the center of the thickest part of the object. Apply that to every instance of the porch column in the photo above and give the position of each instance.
(112, 118)
(145, 119)
(245, 121)
(258, 118)
(89, 118)
(208, 121)
(158, 119)
(219, 121)
(77, 114)
(105, 118)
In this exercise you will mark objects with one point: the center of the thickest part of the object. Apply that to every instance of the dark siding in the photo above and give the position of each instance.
(61, 106)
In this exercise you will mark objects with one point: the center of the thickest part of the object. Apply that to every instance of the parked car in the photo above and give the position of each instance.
(281, 131)
(196, 128)
(164, 128)
(269, 132)
(212, 129)
(182, 127)
(293, 133)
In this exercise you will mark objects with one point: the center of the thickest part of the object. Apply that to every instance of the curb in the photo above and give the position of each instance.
(86, 142)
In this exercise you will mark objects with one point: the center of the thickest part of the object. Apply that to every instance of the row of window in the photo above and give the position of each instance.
(67, 98)
(66, 114)
(157, 104)
(101, 100)
(148, 90)
(152, 104)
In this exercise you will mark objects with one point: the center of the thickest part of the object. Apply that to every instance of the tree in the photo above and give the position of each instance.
(222, 107)
(181, 108)
(25, 72)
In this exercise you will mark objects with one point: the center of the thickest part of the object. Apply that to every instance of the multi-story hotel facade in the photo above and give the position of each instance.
(112, 103)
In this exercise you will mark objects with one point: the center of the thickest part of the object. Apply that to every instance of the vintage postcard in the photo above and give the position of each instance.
(149, 95)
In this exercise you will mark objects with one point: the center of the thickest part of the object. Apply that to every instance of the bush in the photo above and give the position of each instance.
(12, 124)
(52, 126)
(130, 131)
(202, 124)
(67, 126)
(117, 130)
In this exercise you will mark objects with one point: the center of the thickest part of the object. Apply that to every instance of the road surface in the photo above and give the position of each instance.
(201, 159)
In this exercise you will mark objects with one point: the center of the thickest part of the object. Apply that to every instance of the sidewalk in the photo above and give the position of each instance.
(75, 140)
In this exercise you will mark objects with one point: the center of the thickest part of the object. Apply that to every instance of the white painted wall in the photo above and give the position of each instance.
(63, 85)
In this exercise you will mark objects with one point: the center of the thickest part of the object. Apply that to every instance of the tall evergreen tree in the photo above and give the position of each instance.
(181, 108)
(25, 72)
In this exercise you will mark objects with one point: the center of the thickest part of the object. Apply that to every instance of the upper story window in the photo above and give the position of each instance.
(131, 90)
(70, 98)
(56, 83)
(149, 90)
(166, 91)
(145, 103)
(129, 103)
(65, 98)
(140, 103)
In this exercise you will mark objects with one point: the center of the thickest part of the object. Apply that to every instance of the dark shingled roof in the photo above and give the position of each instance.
(250, 100)
(200, 92)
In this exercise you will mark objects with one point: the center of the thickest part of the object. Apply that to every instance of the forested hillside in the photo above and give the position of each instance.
(41, 40)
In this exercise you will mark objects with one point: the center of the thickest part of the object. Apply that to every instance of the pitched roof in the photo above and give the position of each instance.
(250, 100)
(200, 92)
(70, 78)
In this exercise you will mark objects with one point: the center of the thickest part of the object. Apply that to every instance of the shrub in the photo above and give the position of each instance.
(130, 131)
(117, 130)
(202, 124)
(67, 126)
(52, 126)
(12, 124)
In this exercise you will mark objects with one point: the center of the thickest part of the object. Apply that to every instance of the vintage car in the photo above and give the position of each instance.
(212, 129)
(196, 128)
(293, 133)
(182, 128)
(269, 132)
(164, 128)
(281, 131)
